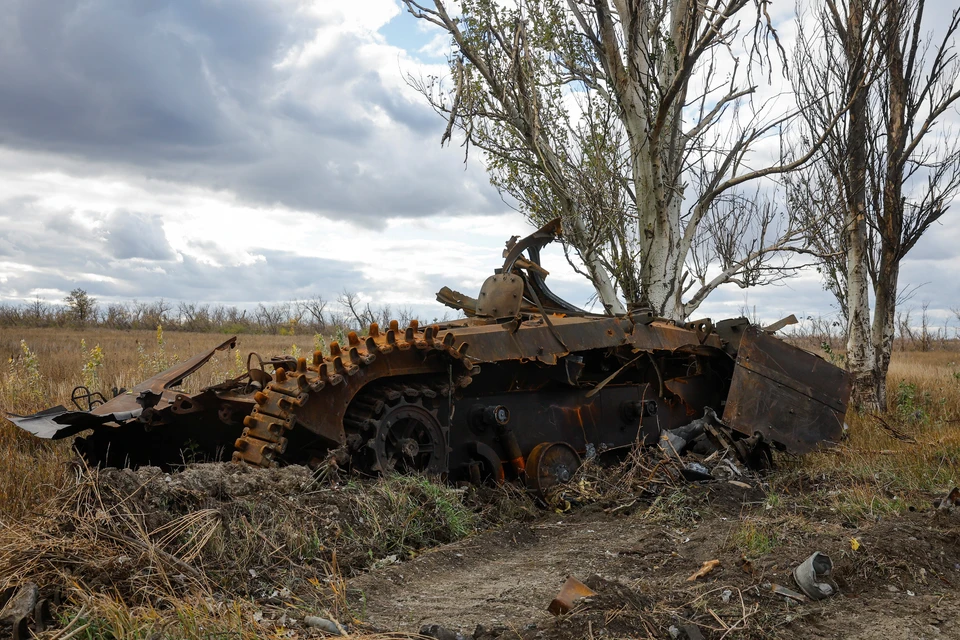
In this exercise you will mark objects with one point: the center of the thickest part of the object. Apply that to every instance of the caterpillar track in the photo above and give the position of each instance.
(521, 387)
(316, 397)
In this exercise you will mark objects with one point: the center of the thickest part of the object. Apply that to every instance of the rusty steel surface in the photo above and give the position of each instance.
(517, 389)
(550, 464)
(162, 384)
(571, 591)
(501, 296)
(792, 397)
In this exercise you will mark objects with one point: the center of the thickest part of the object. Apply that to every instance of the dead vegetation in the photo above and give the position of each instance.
(241, 550)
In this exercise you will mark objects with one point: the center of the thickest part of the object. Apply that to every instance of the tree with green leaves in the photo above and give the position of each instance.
(83, 307)
(634, 121)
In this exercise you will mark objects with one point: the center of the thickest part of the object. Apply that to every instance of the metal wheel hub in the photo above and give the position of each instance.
(550, 464)
(401, 431)
(409, 440)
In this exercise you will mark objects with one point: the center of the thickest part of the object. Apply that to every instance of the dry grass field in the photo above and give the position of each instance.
(889, 465)
(55, 364)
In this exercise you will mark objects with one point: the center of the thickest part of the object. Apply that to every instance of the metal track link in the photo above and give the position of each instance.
(329, 383)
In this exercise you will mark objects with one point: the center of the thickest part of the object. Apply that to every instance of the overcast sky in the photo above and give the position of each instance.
(264, 150)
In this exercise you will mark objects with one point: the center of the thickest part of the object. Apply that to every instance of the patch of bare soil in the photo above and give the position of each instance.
(901, 581)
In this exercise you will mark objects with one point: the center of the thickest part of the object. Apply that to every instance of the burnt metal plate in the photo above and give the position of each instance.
(792, 397)
(501, 296)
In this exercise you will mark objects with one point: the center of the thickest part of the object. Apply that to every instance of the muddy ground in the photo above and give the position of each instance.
(901, 582)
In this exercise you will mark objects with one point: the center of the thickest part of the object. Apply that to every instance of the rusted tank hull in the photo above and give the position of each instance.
(473, 398)
(793, 398)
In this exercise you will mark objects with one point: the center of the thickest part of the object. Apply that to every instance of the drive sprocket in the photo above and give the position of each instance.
(396, 428)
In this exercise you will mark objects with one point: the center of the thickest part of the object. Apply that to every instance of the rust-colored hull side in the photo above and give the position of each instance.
(793, 398)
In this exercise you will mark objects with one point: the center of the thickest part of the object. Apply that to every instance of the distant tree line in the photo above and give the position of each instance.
(314, 315)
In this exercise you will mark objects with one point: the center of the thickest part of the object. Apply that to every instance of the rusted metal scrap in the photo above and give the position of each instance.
(521, 387)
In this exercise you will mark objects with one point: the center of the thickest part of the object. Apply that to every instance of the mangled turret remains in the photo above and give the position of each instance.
(523, 386)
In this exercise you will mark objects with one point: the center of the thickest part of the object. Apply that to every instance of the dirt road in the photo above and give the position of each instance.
(901, 582)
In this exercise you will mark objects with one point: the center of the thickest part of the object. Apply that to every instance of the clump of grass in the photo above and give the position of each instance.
(92, 366)
(98, 616)
(32, 469)
(755, 538)
(878, 471)
(165, 546)
(673, 508)
(400, 514)
(24, 384)
(149, 364)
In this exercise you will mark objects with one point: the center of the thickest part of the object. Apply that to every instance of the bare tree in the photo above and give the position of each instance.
(117, 316)
(315, 308)
(362, 315)
(271, 318)
(38, 311)
(194, 317)
(891, 174)
(653, 141)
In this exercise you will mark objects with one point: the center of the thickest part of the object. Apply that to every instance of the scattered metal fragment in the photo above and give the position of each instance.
(22, 610)
(949, 501)
(692, 632)
(786, 592)
(438, 632)
(704, 570)
(20, 602)
(814, 578)
(696, 472)
(331, 627)
(571, 591)
(522, 387)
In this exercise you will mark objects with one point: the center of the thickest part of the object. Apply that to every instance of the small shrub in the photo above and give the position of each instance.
(673, 508)
(753, 539)
(319, 344)
(149, 364)
(910, 404)
(92, 366)
(402, 514)
(839, 359)
(24, 382)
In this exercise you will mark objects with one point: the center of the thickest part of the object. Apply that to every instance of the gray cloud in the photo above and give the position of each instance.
(127, 256)
(191, 91)
(134, 235)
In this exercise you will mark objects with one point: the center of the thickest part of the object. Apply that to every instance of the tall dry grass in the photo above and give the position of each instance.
(34, 469)
(902, 458)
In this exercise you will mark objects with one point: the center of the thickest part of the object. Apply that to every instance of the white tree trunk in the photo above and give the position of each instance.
(658, 207)
(883, 326)
(861, 359)
(599, 275)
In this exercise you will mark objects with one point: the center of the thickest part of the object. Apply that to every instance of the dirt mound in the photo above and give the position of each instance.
(277, 540)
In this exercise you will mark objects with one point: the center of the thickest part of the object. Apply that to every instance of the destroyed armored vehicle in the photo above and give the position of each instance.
(523, 386)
